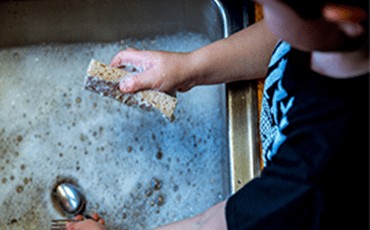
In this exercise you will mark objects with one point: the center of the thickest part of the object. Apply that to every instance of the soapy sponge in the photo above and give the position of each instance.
(105, 80)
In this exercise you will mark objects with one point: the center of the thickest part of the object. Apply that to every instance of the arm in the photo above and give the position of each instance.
(242, 56)
(211, 219)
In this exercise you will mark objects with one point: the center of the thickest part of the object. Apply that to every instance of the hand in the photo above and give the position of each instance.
(96, 223)
(164, 71)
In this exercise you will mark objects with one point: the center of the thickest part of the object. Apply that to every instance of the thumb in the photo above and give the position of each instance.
(137, 82)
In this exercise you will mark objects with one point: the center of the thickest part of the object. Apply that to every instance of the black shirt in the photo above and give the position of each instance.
(315, 138)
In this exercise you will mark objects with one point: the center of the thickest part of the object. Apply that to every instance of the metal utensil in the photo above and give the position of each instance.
(61, 224)
(70, 198)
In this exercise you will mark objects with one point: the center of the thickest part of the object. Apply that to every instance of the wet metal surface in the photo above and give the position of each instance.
(242, 105)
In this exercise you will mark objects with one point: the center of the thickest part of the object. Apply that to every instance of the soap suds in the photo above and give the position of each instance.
(51, 129)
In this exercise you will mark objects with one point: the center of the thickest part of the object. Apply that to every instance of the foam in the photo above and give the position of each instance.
(113, 152)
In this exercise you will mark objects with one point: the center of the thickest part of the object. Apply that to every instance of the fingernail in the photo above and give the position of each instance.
(101, 221)
(95, 216)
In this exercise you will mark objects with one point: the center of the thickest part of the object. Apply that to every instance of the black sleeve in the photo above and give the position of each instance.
(319, 177)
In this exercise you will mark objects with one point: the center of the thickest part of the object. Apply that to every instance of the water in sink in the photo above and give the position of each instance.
(136, 169)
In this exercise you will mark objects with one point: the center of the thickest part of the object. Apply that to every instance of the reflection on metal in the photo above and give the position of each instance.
(243, 133)
(69, 198)
(242, 120)
(224, 17)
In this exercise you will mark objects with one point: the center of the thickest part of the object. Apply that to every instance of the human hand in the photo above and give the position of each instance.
(164, 71)
(96, 223)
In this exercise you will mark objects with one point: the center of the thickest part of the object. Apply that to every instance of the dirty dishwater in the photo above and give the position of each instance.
(137, 170)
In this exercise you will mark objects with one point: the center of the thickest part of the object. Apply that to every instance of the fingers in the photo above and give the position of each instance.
(101, 221)
(79, 218)
(85, 225)
(134, 56)
(123, 55)
(137, 82)
(163, 71)
(137, 58)
(95, 217)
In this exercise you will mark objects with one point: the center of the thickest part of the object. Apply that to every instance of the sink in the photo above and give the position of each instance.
(134, 168)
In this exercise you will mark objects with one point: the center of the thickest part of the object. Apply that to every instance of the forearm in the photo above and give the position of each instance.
(244, 55)
(211, 219)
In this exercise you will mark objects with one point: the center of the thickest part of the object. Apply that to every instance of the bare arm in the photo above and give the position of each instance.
(244, 55)
(211, 219)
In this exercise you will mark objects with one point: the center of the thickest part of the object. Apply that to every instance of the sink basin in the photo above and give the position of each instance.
(134, 168)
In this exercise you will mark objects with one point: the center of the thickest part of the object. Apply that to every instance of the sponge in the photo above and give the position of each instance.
(105, 80)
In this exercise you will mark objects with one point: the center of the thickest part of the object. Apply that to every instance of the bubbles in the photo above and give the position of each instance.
(16, 55)
(148, 192)
(156, 184)
(159, 200)
(123, 154)
(129, 149)
(159, 155)
(19, 189)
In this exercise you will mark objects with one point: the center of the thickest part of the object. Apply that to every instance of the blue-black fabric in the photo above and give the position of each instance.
(315, 138)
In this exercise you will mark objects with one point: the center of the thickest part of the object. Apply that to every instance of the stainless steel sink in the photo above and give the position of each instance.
(136, 169)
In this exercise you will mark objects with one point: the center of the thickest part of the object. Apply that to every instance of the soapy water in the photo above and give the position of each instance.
(136, 169)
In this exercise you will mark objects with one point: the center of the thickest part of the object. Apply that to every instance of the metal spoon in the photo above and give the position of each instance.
(70, 198)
